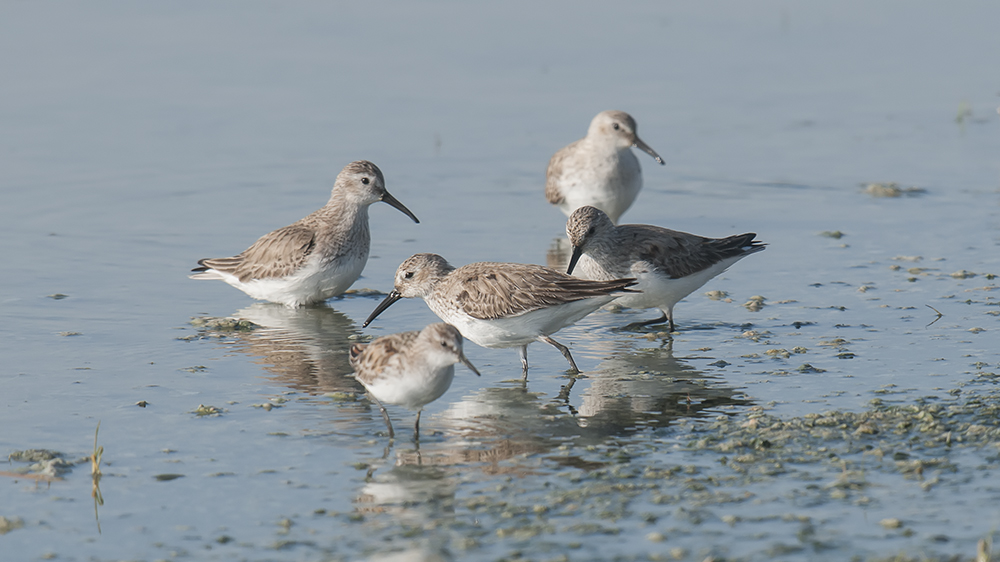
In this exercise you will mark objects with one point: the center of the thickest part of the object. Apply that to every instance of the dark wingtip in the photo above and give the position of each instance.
(630, 282)
(753, 245)
(201, 266)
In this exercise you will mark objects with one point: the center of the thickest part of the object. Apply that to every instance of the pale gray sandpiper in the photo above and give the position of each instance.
(600, 169)
(316, 258)
(410, 369)
(669, 265)
(501, 304)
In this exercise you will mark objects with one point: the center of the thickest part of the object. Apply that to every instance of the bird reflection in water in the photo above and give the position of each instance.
(305, 349)
(509, 430)
(649, 387)
(398, 489)
(498, 430)
(503, 429)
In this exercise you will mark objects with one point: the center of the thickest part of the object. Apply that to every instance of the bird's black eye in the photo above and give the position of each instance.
(444, 344)
(590, 231)
(408, 275)
(616, 126)
(366, 180)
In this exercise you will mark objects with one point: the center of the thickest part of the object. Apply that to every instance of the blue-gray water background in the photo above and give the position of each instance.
(140, 137)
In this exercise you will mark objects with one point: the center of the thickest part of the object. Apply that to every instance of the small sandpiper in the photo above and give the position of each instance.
(669, 265)
(501, 304)
(410, 369)
(317, 257)
(599, 170)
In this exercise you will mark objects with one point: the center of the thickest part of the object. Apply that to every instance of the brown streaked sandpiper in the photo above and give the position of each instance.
(501, 304)
(410, 369)
(317, 257)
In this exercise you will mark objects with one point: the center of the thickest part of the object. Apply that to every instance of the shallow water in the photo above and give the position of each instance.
(140, 138)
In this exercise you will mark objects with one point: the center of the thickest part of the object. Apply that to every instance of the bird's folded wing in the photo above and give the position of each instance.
(274, 255)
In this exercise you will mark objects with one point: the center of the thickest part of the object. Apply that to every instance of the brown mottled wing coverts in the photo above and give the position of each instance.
(369, 360)
(277, 254)
(488, 291)
(680, 254)
(554, 173)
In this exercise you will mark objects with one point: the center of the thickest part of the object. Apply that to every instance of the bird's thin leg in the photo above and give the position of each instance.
(523, 351)
(670, 315)
(385, 415)
(562, 349)
(416, 427)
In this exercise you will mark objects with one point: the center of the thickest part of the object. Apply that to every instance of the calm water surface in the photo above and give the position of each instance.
(140, 138)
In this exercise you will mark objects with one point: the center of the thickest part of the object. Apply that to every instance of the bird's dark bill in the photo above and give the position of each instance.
(648, 150)
(577, 252)
(469, 364)
(386, 303)
(387, 198)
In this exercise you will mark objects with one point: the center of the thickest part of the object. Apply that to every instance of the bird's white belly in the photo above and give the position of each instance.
(515, 331)
(610, 185)
(659, 289)
(416, 389)
(315, 282)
